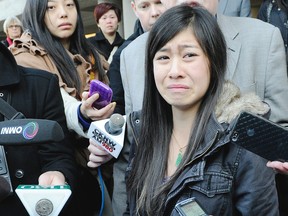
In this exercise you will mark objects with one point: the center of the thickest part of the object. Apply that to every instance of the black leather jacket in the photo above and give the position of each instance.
(224, 178)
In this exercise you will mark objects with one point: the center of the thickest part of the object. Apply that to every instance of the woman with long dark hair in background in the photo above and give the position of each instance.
(54, 41)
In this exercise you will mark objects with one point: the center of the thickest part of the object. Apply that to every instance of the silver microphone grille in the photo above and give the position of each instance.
(116, 122)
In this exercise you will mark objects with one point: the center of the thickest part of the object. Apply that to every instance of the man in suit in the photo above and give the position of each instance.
(256, 62)
(241, 8)
(147, 12)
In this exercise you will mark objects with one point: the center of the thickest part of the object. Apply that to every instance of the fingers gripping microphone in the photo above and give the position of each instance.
(18, 132)
(109, 133)
(29, 131)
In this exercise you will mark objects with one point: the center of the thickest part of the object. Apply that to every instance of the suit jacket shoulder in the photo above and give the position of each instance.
(132, 68)
(239, 8)
(257, 61)
(138, 44)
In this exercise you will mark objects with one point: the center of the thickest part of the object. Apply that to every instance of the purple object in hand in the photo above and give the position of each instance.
(104, 91)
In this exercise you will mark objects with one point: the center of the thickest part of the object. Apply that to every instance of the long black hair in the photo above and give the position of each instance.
(33, 20)
(283, 4)
(150, 163)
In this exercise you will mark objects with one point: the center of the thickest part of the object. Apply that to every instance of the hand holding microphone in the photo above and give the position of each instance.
(51, 178)
(24, 132)
(35, 198)
(98, 155)
(109, 134)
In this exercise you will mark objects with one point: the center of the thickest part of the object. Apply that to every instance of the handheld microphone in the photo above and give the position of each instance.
(109, 133)
(115, 124)
(24, 132)
(36, 199)
(43, 200)
(30, 131)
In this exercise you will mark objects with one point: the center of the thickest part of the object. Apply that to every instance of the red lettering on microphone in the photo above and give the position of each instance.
(106, 146)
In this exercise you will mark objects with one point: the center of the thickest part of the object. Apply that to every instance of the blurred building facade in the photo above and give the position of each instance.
(8, 8)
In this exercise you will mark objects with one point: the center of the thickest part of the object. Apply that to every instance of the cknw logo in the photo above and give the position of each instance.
(29, 131)
(104, 140)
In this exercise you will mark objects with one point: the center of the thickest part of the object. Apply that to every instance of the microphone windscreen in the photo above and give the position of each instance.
(4, 188)
(116, 121)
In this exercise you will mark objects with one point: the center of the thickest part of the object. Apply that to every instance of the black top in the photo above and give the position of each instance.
(5, 42)
(103, 45)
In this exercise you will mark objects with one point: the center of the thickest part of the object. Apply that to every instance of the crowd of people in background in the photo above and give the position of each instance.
(107, 39)
(181, 78)
(276, 13)
(13, 28)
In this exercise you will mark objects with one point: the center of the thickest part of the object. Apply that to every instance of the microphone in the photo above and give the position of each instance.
(115, 124)
(43, 200)
(109, 133)
(37, 200)
(30, 131)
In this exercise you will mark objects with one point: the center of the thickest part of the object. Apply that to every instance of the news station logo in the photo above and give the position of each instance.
(29, 131)
(103, 140)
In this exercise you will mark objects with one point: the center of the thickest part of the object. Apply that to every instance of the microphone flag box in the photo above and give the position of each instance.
(43, 200)
(104, 135)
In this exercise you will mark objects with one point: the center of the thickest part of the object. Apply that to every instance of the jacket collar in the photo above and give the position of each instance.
(117, 41)
(230, 104)
(9, 73)
(138, 27)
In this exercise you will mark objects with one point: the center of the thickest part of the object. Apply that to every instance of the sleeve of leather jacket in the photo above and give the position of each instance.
(255, 189)
(262, 13)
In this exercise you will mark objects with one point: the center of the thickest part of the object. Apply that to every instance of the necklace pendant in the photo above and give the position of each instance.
(179, 159)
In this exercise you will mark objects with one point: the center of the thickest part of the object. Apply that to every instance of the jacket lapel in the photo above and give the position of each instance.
(233, 44)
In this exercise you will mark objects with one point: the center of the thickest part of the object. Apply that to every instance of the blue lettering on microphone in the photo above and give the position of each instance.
(103, 140)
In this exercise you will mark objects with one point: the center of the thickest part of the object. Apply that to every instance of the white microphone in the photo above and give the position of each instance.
(43, 200)
(109, 133)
